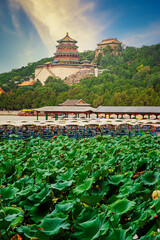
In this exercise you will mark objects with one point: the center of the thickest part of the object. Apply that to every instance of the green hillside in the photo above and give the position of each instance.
(131, 78)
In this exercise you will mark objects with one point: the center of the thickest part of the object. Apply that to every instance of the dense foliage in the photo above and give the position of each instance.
(131, 78)
(97, 188)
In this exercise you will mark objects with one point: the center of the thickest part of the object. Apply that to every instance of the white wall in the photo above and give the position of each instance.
(62, 72)
(42, 74)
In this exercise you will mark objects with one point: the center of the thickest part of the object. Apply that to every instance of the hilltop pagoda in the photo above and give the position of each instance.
(113, 43)
(67, 51)
(66, 64)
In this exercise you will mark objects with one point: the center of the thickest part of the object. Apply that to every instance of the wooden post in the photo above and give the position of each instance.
(46, 116)
(130, 116)
(37, 115)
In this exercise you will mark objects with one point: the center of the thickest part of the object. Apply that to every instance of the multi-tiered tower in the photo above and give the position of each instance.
(66, 64)
(67, 52)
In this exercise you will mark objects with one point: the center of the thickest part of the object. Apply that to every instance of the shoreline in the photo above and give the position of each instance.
(14, 113)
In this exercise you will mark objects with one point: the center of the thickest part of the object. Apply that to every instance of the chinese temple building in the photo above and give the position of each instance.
(1, 91)
(66, 63)
(67, 52)
(113, 43)
(27, 83)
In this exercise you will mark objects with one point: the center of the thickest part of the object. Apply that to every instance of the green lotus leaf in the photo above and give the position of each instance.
(92, 229)
(156, 205)
(84, 187)
(117, 234)
(150, 178)
(116, 179)
(28, 231)
(8, 192)
(14, 216)
(85, 214)
(53, 226)
(6, 168)
(122, 206)
(61, 186)
(128, 189)
(153, 154)
(63, 207)
(4, 224)
(66, 176)
(150, 238)
(40, 197)
(141, 217)
(91, 200)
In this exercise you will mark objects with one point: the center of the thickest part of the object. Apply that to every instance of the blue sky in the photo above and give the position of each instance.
(29, 29)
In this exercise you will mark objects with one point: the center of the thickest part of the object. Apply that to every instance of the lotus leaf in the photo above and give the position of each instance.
(92, 229)
(51, 226)
(84, 187)
(122, 206)
(91, 188)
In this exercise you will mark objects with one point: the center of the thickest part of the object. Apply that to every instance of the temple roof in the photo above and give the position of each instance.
(1, 90)
(67, 38)
(66, 53)
(109, 41)
(27, 83)
(74, 102)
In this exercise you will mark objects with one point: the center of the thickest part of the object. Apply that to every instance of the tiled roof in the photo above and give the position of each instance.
(67, 38)
(65, 109)
(127, 109)
(110, 40)
(78, 102)
(1, 90)
(26, 83)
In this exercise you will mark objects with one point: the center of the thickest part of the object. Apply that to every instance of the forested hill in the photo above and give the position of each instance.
(131, 78)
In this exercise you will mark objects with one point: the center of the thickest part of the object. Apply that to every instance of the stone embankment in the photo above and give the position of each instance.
(15, 113)
(75, 78)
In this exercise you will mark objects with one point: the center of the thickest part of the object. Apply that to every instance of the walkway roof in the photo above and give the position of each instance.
(65, 109)
(126, 109)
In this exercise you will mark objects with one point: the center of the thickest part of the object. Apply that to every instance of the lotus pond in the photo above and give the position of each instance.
(93, 188)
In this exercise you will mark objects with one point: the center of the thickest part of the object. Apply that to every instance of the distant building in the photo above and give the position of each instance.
(113, 43)
(1, 91)
(65, 64)
(26, 83)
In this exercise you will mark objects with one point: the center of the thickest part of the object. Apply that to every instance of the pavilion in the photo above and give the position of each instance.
(75, 107)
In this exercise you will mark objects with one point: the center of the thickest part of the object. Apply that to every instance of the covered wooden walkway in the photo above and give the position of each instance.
(127, 110)
(120, 112)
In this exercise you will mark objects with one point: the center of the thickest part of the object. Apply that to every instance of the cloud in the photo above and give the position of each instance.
(53, 18)
(147, 36)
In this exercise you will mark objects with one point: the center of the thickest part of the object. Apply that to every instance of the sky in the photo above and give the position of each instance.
(29, 29)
